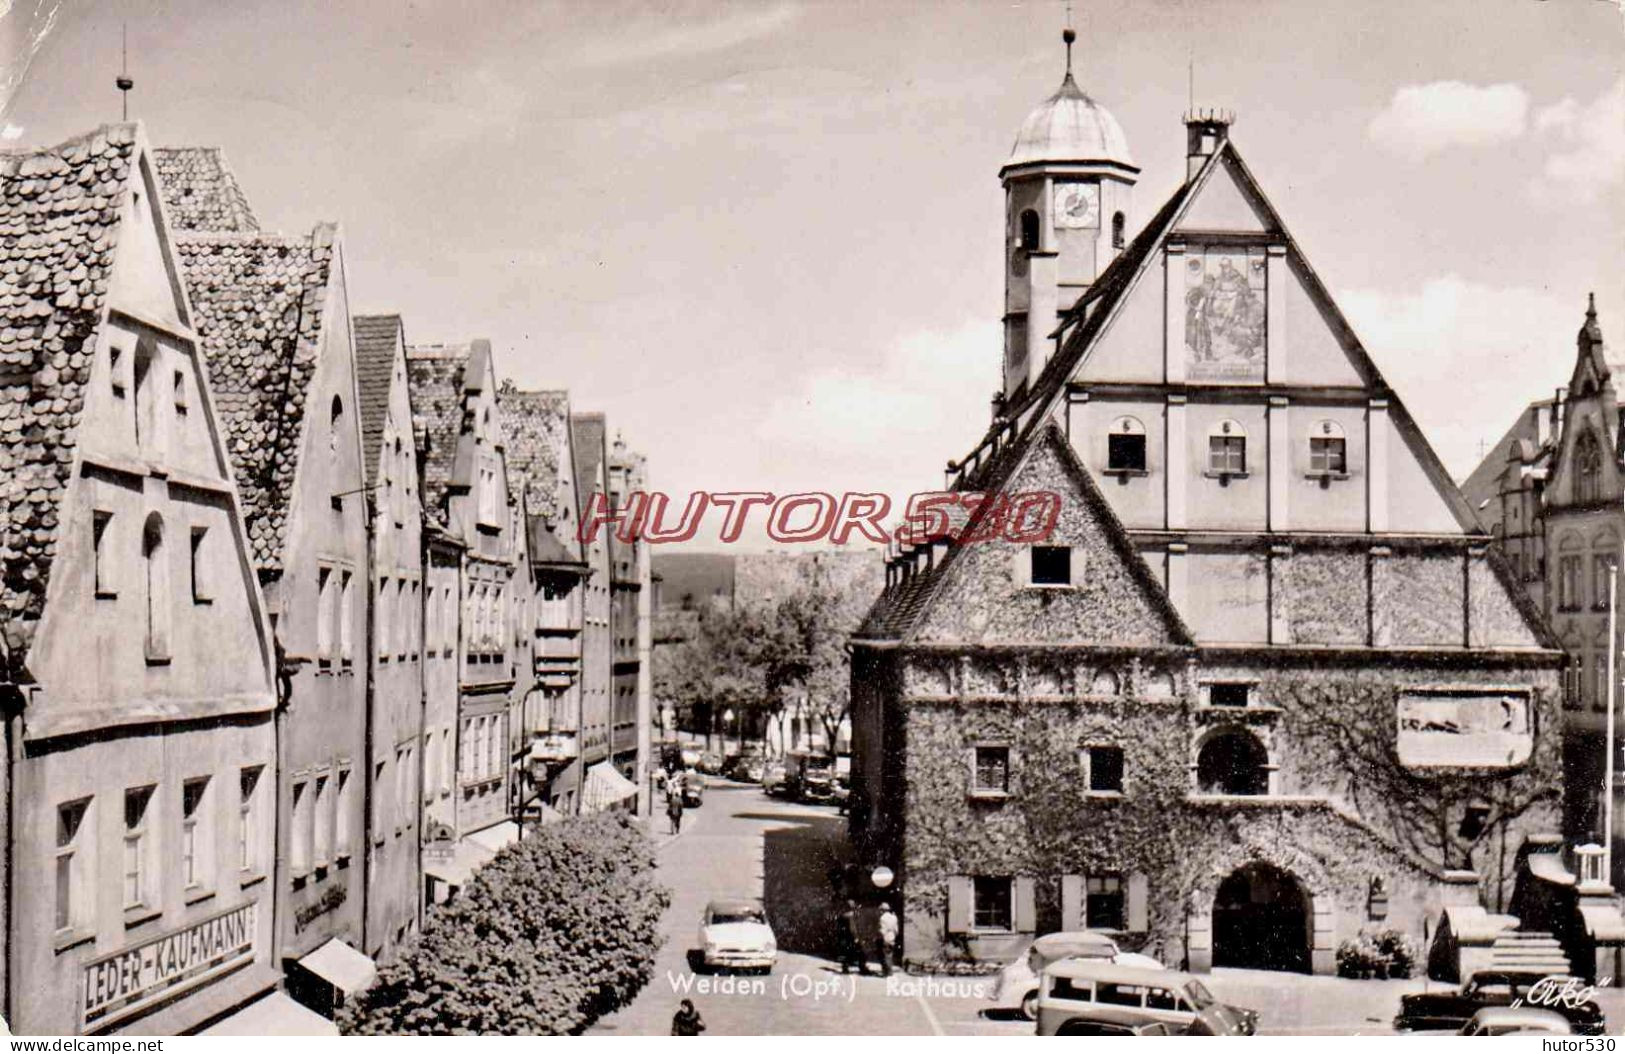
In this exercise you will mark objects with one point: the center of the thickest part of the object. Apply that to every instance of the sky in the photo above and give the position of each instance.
(766, 238)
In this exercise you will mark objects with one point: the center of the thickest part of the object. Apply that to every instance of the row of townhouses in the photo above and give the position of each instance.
(296, 627)
(1270, 683)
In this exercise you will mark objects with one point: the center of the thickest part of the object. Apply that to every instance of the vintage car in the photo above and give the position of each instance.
(693, 789)
(774, 779)
(1517, 1021)
(735, 935)
(1082, 994)
(1017, 986)
(1567, 996)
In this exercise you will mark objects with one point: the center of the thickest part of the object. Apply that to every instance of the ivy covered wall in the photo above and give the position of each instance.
(1343, 810)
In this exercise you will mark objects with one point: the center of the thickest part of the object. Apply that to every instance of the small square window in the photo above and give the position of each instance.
(1125, 453)
(1051, 565)
(1227, 455)
(992, 770)
(1103, 769)
(991, 903)
(1328, 455)
(1228, 694)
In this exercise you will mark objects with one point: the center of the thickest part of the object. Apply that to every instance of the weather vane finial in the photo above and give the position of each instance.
(1068, 36)
(124, 82)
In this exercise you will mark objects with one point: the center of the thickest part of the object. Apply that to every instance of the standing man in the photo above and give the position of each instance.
(851, 943)
(888, 939)
(674, 806)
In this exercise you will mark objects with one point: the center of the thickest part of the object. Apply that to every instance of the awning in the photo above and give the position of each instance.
(275, 1015)
(496, 837)
(605, 787)
(341, 966)
(455, 870)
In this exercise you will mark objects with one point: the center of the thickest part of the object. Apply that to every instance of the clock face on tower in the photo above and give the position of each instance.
(1077, 205)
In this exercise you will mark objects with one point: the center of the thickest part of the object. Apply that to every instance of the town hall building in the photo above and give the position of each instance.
(1265, 685)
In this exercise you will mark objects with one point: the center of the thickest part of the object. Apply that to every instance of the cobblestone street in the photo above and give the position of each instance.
(742, 842)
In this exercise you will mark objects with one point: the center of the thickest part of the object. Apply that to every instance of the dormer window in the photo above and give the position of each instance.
(1030, 232)
(1125, 446)
(1227, 450)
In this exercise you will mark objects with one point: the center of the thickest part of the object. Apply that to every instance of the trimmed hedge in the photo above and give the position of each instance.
(556, 931)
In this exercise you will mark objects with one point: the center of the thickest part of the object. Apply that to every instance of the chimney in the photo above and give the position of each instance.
(1204, 131)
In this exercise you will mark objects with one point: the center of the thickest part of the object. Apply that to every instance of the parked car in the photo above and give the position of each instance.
(1086, 993)
(710, 763)
(1513, 1021)
(773, 778)
(811, 776)
(1492, 988)
(1017, 987)
(1081, 1026)
(735, 935)
(693, 789)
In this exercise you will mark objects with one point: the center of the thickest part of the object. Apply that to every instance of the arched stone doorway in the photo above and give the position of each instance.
(1263, 919)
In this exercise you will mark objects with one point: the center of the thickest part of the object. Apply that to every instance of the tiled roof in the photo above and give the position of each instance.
(259, 301)
(536, 428)
(200, 192)
(587, 439)
(376, 338)
(435, 375)
(59, 213)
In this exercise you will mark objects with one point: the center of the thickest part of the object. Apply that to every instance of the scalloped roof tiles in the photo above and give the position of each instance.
(376, 338)
(59, 226)
(200, 191)
(434, 373)
(259, 300)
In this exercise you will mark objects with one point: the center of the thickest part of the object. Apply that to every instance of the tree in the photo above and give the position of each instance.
(557, 930)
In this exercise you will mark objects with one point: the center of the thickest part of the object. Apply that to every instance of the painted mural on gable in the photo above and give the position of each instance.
(1224, 314)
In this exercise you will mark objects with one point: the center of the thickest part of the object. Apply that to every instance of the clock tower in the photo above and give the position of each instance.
(1068, 188)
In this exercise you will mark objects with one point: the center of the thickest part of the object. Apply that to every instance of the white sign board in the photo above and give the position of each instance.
(118, 985)
(1464, 729)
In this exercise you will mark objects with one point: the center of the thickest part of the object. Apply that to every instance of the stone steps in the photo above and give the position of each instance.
(1529, 950)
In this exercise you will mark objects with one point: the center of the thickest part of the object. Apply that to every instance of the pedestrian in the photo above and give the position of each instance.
(888, 939)
(687, 1021)
(674, 811)
(851, 945)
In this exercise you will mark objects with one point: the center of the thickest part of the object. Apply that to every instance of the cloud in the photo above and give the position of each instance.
(1422, 119)
(679, 36)
(1589, 145)
(1507, 345)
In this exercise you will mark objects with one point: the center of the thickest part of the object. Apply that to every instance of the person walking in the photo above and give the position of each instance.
(687, 1021)
(888, 939)
(674, 810)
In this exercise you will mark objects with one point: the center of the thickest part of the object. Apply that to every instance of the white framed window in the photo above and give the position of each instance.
(990, 768)
(1227, 449)
(138, 843)
(344, 804)
(72, 842)
(1125, 446)
(346, 619)
(322, 807)
(196, 852)
(1105, 904)
(248, 819)
(1102, 768)
(993, 903)
(202, 589)
(326, 586)
(304, 829)
(380, 807)
(100, 521)
(1328, 450)
(157, 582)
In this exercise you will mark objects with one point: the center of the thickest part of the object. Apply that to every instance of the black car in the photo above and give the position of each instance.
(1451, 1010)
